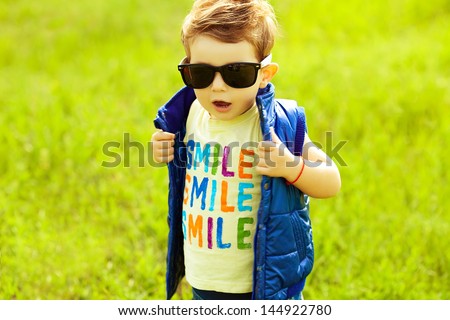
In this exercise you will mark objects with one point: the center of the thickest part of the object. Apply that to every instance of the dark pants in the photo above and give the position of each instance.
(213, 295)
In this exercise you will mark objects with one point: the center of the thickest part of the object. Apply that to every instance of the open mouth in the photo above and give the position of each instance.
(221, 105)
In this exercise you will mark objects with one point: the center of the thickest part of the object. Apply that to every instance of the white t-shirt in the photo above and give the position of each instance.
(221, 200)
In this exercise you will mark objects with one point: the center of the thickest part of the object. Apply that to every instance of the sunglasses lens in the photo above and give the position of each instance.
(197, 76)
(239, 75)
(236, 75)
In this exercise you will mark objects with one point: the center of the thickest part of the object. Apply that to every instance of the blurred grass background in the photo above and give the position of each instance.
(76, 75)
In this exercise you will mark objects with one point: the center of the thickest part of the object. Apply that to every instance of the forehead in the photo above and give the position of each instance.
(205, 49)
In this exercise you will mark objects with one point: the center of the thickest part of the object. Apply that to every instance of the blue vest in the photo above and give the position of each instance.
(283, 247)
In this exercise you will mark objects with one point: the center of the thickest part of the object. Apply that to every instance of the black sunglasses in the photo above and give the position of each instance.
(237, 75)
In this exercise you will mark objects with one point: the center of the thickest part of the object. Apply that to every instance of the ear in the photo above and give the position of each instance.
(268, 72)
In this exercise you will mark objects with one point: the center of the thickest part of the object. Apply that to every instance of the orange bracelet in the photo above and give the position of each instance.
(299, 175)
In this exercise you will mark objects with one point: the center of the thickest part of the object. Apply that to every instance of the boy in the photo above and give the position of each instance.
(240, 162)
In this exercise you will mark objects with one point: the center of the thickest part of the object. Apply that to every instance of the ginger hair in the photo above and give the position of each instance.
(232, 21)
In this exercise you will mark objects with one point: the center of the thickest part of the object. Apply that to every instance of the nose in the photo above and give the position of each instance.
(218, 84)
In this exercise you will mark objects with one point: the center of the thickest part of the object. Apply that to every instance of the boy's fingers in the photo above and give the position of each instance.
(162, 135)
(266, 145)
(263, 170)
(167, 143)
(164, 144)
(164, 152)
(262, 163)
(170, 159)
(164, 157)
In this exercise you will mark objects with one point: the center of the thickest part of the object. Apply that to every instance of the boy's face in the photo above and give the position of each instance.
(219, 99)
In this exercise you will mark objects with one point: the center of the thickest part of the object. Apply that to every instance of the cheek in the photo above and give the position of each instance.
(201, 95)
(253, 91)
(249, 96)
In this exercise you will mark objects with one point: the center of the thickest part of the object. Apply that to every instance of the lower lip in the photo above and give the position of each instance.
(222, 107)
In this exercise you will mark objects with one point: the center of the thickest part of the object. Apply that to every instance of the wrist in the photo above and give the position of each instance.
(295, 170)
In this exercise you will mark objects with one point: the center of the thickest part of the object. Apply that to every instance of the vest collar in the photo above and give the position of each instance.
(173, 115)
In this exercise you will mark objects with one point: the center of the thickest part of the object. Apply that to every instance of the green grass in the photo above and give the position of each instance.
(74, 77)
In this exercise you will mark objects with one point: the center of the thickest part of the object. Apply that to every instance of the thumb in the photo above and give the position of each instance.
(274, 136)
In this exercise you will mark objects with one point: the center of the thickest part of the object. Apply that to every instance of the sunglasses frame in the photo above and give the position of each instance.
(222, 70)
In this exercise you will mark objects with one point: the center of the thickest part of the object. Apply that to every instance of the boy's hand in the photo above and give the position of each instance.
(275, 159)
(162, 146)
